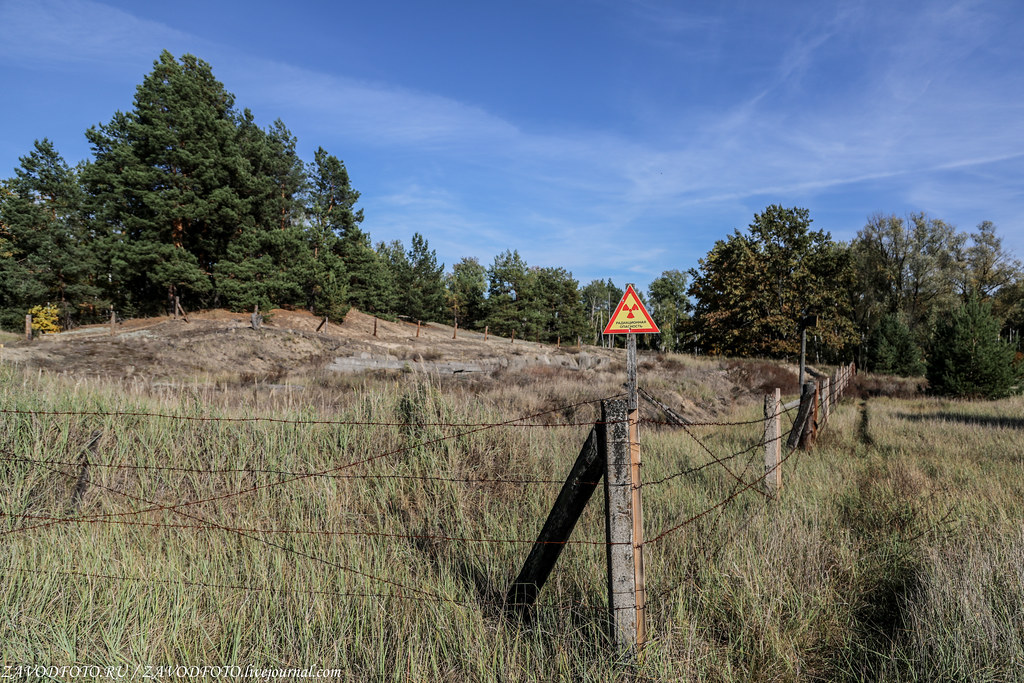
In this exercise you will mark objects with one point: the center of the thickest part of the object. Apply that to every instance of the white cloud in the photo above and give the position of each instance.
(476, 183)
(78, 31)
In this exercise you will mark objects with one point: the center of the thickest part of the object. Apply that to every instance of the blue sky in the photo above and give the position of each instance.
(614, 138)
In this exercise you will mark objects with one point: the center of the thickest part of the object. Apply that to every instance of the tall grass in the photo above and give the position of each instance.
(894, 551)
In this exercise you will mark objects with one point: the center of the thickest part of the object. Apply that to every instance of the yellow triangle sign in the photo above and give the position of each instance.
(631, 316)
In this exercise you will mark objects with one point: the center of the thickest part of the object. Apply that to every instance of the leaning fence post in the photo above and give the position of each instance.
(618, 496)
(579, 486)
(803, 415)
(773, 442)
(178, 310)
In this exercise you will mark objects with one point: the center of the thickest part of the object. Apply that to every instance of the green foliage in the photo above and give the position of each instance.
(753, 290)
(599, 300)
(507, 289)
(921, 268)
(171, 173)
(47, 253)
(418, 279)
(559, 311)
(538, 304)
(669, 307)
(464, 292)
(892, 349)
(969, 359)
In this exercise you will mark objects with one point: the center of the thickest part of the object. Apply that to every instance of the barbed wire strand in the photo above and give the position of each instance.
(300, 532)
(10, 457)
(299, 553)
(275, 420)
(156, 507)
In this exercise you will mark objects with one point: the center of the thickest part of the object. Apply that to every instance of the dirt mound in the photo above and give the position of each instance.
(221, 345)
(298, 348)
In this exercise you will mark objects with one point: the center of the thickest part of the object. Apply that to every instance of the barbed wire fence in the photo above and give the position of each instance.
(818, 400)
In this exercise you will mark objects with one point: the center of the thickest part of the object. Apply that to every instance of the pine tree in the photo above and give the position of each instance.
(508, 290)
(968, 358)
(269, 260)
(423, 296)
(465, 288)
(49, 256)
(334, 221)
(170, 181)
(557, 305)
(892, 349)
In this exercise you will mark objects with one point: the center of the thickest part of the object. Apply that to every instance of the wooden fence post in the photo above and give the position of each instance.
(512, 339)
(455, 332)
(826, 395)
(322, 325)
(256, 320)
(622, 599)
(579, 486)
(487, 329)
(773, 442)
(803, 415)
(113, 321)
(639, 574)
(417, 329)
(28, 327)
(815, 414)
(178, 310)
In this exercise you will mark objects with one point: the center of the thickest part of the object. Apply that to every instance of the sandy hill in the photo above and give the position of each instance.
(218, 346)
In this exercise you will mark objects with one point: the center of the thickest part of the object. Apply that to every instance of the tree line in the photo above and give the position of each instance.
(186, 196)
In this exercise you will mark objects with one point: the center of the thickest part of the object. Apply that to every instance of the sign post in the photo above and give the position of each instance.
(631, 318)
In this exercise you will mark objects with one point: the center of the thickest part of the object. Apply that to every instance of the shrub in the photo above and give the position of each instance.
(46, 318)
(969, 359)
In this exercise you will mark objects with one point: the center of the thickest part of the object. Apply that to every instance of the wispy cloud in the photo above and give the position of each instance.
(476, 182)
(78, 31)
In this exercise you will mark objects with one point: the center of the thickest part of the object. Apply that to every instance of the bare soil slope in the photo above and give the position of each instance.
(218, 346)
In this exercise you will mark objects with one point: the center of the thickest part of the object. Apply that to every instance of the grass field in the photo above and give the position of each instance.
(895, 552)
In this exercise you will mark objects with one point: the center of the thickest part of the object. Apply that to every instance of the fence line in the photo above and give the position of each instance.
(292, 532)
(155, 507)
(199, 522)
(9, 457)
(336, 423)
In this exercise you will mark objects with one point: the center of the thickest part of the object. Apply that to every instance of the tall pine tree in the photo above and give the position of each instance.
(170, 180)
(48, 254)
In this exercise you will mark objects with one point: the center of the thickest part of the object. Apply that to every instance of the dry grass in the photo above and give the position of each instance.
(894, 553)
